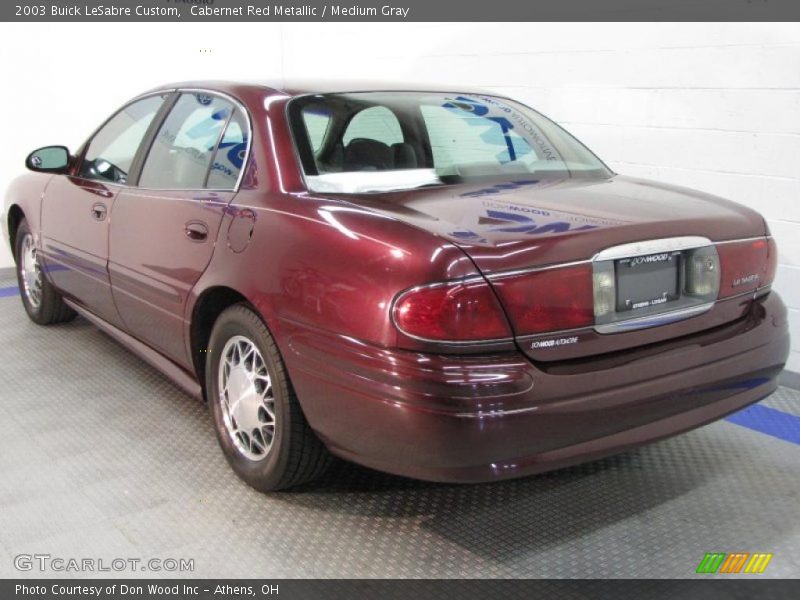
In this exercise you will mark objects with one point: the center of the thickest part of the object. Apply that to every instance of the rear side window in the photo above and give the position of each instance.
(229, 158)
(111, 151)
(181, 154)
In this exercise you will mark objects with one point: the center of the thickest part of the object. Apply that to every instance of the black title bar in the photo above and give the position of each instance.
(399, 10)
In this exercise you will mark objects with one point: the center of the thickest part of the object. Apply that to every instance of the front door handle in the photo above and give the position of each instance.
(99, 211)
(196, 231)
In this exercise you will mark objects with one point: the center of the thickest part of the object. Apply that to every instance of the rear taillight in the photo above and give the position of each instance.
(460, 312)
(549, 300)
(746, 266)
(578, 295)
(772, 262)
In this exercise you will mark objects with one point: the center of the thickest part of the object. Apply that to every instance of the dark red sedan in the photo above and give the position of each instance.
(439, 284)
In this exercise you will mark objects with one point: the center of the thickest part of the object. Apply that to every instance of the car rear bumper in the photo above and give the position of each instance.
(480, 418)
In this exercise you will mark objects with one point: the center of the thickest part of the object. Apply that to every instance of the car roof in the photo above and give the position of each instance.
(297, 87)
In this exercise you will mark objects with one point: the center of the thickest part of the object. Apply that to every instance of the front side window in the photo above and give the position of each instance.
(113, 148)
(380, 141)
(182, 151)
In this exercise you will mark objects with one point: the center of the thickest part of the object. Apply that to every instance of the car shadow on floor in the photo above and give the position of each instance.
(505, 520)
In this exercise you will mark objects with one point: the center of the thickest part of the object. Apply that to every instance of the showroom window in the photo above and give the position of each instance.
(112, 150)
(181, 154)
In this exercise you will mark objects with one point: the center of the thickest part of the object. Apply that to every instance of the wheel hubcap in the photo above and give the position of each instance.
(246, 398)
(31, 272)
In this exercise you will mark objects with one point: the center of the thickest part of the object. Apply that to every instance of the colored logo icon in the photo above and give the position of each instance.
(737, 562)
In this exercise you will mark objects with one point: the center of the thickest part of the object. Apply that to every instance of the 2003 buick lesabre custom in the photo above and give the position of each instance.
(444, 285)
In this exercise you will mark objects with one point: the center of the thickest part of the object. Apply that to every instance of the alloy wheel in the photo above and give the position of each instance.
(246, 398)
(31, 272)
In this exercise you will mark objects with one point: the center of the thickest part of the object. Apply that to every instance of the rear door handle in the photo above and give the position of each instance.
(99, 211)
(196, 231)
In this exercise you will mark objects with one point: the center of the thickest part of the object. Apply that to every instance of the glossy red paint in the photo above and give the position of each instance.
(324, 270)
(73, 231)
(477, 418)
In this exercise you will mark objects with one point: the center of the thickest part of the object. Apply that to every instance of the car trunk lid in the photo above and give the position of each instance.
(511, 229)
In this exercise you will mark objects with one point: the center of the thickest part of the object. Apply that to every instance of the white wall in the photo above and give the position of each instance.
(711, 106)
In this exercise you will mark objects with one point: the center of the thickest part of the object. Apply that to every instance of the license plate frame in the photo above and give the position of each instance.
(647, 282)
(687, 304)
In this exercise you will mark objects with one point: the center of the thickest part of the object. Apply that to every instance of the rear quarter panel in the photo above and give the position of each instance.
(327, 265)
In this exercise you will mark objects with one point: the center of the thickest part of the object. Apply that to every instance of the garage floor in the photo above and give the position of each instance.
(103, 458)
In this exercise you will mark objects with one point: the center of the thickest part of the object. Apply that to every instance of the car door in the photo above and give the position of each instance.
(76, 208)
(163, 231)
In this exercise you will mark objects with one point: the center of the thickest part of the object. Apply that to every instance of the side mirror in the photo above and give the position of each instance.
(50, 159)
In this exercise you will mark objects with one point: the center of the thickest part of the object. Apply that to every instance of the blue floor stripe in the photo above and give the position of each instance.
(9, 291)
(770, 421)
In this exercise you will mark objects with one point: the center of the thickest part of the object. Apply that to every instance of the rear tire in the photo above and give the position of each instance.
(41, 300)
(257, 417)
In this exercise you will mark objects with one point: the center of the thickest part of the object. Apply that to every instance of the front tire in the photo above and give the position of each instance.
(41, 300)
(259, 423)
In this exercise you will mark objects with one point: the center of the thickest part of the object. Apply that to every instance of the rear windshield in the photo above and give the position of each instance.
(380, 141)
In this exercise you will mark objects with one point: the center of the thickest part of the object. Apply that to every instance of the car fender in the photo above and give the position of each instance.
(25, 192)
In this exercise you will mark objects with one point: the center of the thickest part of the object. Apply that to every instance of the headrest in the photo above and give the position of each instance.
(404, 156)
(363, 154)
